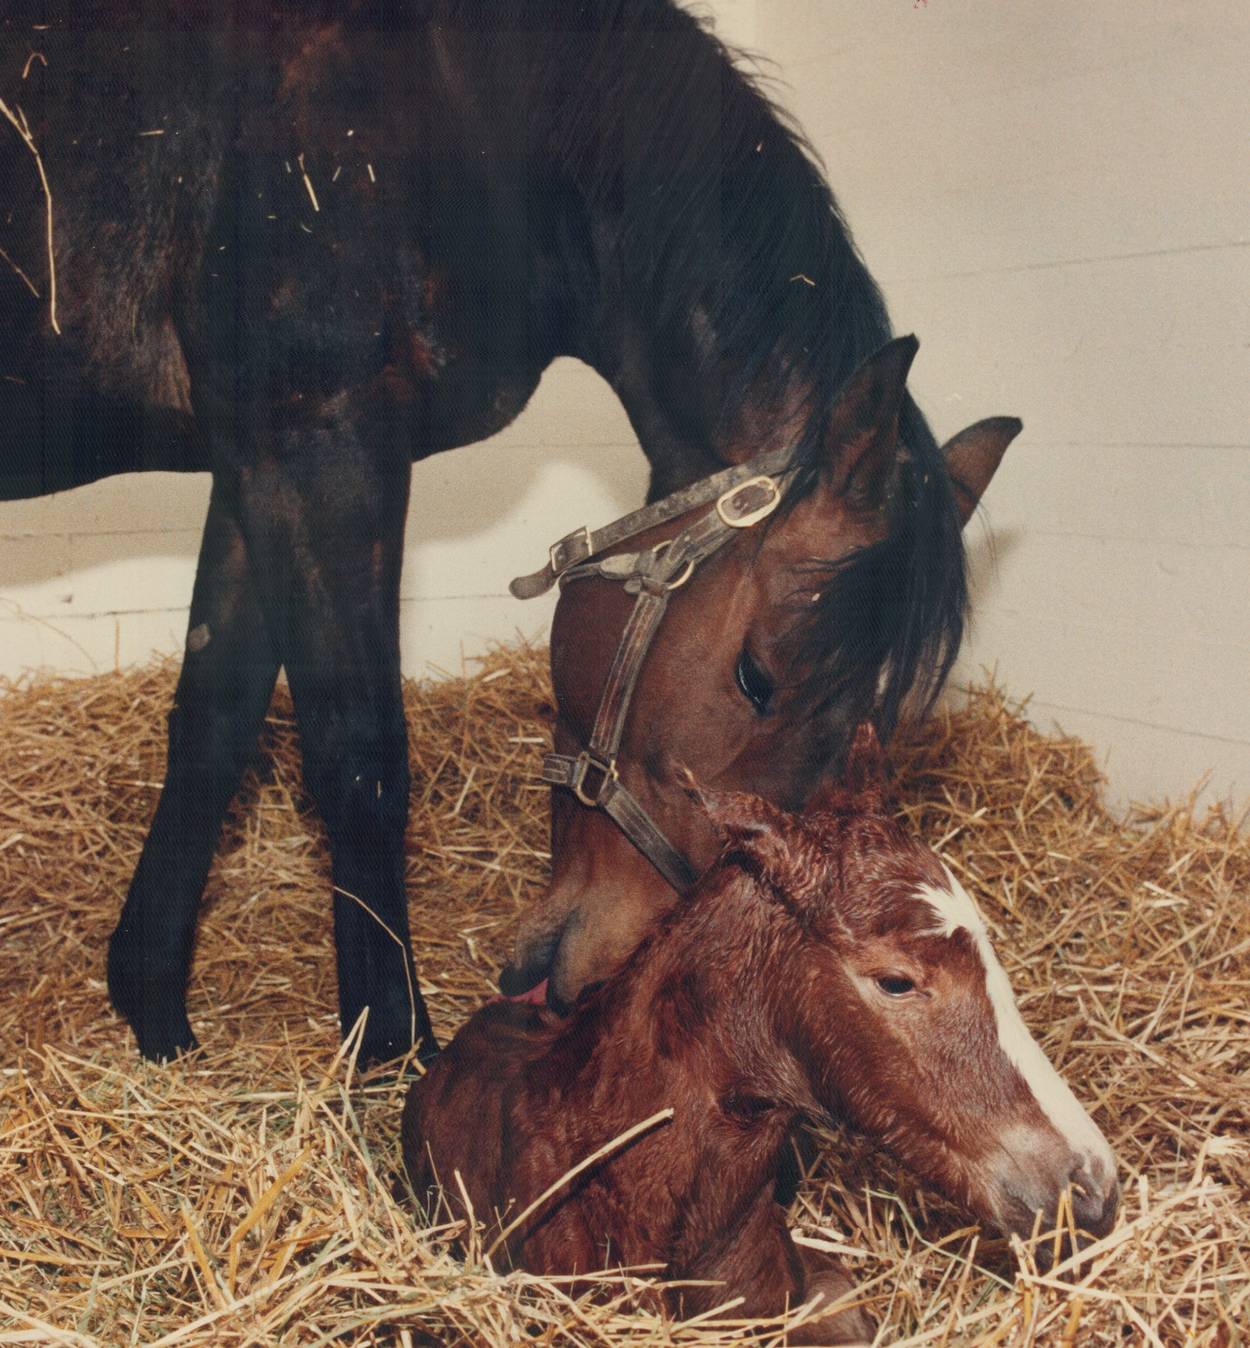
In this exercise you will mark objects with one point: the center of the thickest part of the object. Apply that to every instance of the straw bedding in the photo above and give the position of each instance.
(248, 1195)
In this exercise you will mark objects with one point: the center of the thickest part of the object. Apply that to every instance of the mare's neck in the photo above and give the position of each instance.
(700, 261)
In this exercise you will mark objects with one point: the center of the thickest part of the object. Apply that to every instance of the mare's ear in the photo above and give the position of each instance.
(973, 456)
(862, 787)
(750, 825)
(863, 444)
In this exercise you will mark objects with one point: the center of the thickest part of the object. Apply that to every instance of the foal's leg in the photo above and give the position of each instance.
(227, 677)
(762, 1265)
(325, 532)
(825, 1279)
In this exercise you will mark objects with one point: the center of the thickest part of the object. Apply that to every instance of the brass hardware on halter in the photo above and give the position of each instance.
(740, 507)
(686, 572)
(587, 762)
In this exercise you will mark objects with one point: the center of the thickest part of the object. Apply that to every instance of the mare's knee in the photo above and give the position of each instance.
(361, 789)
(206, 747)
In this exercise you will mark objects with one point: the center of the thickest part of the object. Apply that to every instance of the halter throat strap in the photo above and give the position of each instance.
(744, 495)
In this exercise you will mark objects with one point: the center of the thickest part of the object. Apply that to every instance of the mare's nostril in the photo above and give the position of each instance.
(532, 963)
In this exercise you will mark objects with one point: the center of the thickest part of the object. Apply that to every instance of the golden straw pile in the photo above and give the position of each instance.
(249, 1195)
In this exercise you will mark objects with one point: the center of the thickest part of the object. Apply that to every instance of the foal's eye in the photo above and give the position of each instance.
(895, 986)
(756, 686)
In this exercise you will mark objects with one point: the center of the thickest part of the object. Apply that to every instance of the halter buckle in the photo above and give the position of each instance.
(749, 502)
(588, 763)
(569, 550)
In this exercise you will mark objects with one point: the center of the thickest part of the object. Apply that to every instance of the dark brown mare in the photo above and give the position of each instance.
(299, 244)
(828, 965)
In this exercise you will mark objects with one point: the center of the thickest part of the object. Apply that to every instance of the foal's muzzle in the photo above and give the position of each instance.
(1095, 1201)
(1025, 1190)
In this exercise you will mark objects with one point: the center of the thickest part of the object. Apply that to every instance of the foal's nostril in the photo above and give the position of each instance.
(1095, 1200)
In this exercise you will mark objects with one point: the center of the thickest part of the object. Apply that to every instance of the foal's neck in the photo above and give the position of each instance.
(689, 1023)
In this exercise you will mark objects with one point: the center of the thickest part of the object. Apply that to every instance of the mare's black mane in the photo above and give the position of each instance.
(725, 212)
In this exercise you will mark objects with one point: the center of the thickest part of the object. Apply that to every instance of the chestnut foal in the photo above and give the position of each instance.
(827, 965)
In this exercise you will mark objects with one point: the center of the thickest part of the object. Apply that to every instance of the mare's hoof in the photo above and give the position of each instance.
(158, 1019)
(162, 1043)
(377, 1049)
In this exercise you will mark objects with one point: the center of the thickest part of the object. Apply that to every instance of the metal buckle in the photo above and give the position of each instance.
(587, 762)
(570, 550)
(687, 566)
(740, 507)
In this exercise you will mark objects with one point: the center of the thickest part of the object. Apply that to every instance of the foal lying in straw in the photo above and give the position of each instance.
(827, 965)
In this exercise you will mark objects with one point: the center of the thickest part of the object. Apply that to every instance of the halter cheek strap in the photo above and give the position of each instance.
(743, 495)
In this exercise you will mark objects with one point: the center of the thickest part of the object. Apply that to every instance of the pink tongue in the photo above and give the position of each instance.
(535, 996)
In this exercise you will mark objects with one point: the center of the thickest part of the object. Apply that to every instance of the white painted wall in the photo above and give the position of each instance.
(1056, 197)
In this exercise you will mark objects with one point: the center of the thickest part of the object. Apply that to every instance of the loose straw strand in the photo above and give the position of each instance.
(661, 1116)
(30, 285)
(406, 953)
(19, 123)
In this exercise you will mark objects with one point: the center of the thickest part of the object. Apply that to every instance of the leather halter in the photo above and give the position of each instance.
(742, 496)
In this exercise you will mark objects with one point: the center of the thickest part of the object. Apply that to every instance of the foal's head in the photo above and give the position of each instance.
(893, 1010)
(766, 659)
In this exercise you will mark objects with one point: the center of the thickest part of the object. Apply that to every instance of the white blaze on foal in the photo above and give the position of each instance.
(955, 911)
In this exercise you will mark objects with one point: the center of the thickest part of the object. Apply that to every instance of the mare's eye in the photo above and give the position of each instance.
(756, 686)
(895, 986)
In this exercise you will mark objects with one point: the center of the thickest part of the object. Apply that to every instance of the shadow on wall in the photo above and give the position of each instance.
(987, 549)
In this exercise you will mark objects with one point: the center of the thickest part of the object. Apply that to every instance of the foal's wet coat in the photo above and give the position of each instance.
(827, 966)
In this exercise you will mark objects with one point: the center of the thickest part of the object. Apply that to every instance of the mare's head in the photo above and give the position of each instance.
(845, 600)
(892, 1010)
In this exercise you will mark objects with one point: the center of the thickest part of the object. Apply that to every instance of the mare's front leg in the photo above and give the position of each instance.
(223, 690)
(324, 519)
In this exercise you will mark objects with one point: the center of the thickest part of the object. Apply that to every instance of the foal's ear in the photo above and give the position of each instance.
(863, 425)
(862, 786)
(865, 765)
(750, 824)
(972, 458)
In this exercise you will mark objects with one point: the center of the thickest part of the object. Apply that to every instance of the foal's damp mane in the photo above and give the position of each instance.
(725, 212)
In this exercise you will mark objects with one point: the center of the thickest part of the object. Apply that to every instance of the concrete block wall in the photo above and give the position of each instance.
(1055, 197)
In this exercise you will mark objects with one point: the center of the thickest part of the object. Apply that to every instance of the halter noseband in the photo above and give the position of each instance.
(742, 496)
